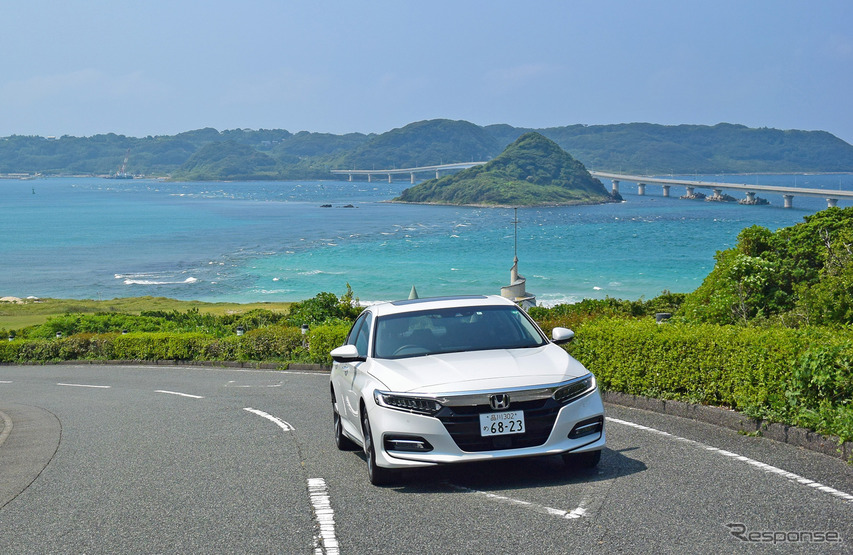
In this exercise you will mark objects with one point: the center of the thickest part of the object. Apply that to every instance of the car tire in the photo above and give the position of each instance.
(589, 459)
(342, 442)
(378, 475)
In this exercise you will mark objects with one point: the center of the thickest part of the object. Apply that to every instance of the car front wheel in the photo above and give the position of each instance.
(378, 476)
(342, 442)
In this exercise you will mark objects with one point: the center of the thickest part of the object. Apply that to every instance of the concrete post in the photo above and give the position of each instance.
(789, 200)
(641, 189)
(666, 190)
(830, 202)
(369, 178)
(412, 175)
(436, 174)
(389, 178)
(750, 196)
(689, 191)
(350, 177)
(615, 186)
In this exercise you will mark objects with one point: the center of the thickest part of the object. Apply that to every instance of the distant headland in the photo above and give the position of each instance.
(277, 154)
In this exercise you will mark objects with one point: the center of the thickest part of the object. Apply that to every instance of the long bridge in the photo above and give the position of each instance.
(832, 196)
(411, 171)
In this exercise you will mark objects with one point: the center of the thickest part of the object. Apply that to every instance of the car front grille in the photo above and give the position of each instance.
(463, 424)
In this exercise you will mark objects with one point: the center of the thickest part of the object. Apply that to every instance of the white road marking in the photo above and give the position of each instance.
(231, 384)
(177, 393)
(5, 381)
(325, 541)
(85, 385)
(758, 464)
(277, 421)
(569, 515)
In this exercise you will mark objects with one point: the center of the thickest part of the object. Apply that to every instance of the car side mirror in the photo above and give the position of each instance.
(346, 353)
(562, 336)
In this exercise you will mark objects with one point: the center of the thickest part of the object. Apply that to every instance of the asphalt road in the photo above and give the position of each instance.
(131, 459)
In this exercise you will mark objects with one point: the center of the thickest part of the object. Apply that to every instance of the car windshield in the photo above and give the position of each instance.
(451, 330)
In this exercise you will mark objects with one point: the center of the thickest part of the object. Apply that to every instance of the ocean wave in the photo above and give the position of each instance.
(549, 301)
(319, 273)
(132, 281)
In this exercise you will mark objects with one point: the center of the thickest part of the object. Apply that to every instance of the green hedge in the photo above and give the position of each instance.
(325, 338)
(273, 343)
(802, 377)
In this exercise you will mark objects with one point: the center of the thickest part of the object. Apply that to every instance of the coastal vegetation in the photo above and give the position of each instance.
(795, 276)
(533, 171)
(246, 154)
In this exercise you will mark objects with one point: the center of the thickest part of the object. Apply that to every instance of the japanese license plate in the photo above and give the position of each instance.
(502, 423)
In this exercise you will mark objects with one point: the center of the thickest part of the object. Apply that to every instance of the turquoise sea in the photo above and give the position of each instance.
(275, 241)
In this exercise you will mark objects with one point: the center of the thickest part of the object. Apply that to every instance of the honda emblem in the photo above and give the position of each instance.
(499, 401)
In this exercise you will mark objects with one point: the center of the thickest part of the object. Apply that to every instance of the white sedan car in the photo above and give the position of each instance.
(458, 379)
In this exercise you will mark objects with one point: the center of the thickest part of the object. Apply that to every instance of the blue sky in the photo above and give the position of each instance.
(139, 68)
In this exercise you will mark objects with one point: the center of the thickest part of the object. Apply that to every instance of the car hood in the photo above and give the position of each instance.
(478, 370)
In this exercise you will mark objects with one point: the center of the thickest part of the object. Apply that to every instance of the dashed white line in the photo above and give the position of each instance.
(232, 382)
(325, 541)
(5, 381)
(569, 515)
(178, 393)
(85, 385)
(758, 464)
(277, 421)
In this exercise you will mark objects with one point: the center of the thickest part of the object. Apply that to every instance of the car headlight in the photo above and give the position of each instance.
(408, 403)
(572, 391)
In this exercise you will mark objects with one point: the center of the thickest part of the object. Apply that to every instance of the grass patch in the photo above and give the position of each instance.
(31, 313)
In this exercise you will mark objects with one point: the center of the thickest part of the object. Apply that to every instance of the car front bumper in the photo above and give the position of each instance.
(388, 423)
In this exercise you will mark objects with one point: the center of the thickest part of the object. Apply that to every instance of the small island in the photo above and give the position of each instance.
(532, 171)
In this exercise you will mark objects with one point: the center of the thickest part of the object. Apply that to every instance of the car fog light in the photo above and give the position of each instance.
(407, 443)
(587, 427)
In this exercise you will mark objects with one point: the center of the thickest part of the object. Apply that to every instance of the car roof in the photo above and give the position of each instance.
(429, 303)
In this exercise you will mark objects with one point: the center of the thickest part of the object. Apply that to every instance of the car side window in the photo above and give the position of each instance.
(353, 331)
(361, 333)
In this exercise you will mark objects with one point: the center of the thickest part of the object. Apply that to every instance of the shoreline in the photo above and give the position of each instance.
(25, 176)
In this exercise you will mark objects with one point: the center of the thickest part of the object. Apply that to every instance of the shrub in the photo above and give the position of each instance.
(160, 346)
(272, 343)
(324, 308)
(323, 339)
(798, 376)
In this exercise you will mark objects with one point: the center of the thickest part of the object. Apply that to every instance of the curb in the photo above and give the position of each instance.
(304, 367)
(726, 418)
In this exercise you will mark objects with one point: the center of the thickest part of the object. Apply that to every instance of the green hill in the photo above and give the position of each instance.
(423, 143)
(228, 161)
(533, 171)
(647, 148)
(636, 148)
